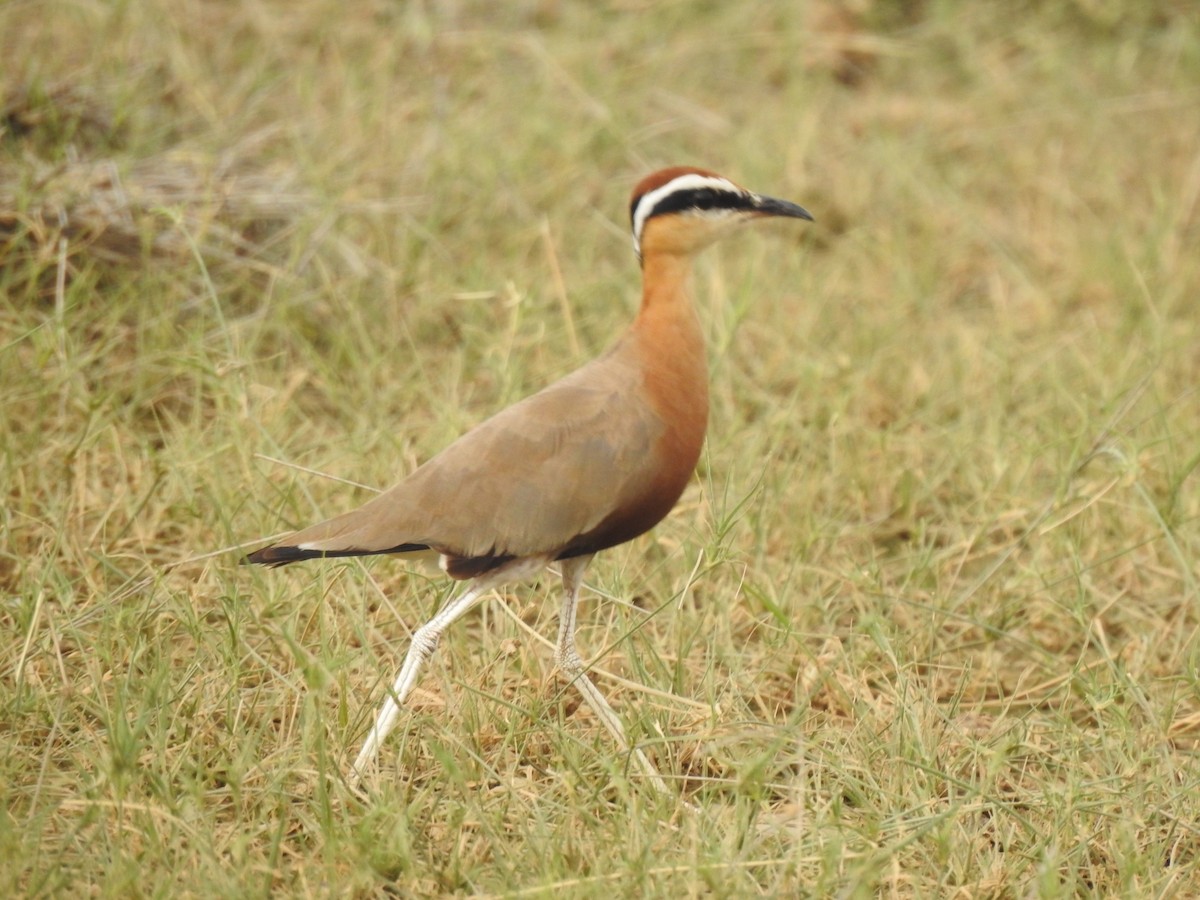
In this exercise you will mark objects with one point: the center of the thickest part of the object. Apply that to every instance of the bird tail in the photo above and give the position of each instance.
(282, 554)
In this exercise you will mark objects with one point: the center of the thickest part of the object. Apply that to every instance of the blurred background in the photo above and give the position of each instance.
(925, 623)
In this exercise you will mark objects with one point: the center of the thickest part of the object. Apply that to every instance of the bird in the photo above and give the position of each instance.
(595, 459)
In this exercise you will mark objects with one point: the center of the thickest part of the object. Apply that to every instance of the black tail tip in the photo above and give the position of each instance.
(278, 556)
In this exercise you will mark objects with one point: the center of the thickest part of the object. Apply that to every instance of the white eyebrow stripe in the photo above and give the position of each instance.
(689, 182)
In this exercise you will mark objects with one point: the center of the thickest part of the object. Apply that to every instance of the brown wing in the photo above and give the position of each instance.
(569, 470)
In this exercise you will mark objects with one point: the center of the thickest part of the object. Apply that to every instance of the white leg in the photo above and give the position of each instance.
(567, 659)
(424, 642)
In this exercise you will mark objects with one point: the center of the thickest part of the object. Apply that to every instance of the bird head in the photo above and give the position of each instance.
(682, 209)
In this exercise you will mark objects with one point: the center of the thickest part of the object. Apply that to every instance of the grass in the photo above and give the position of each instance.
(926, 623)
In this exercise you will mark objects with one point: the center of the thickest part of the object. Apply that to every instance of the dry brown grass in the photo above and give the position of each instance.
(928, 614)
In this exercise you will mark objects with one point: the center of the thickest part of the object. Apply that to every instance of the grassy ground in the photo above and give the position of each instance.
(926, 624)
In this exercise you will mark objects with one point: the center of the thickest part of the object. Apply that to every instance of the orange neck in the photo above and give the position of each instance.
(671, 346)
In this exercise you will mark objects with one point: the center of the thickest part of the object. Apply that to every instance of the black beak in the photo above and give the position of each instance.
(769, 206)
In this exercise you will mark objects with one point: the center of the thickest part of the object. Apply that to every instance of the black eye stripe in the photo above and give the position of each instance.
(698, 199)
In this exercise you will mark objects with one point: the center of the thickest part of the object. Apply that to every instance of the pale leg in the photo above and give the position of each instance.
(424, 642)
(568, 661)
